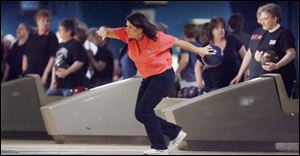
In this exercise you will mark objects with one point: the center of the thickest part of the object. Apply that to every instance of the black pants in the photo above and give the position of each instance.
(151, 92)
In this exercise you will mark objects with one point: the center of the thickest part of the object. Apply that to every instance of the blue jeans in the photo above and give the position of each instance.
(58, 92)
(151, 92)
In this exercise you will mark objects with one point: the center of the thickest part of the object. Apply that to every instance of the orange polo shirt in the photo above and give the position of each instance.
(150, 57)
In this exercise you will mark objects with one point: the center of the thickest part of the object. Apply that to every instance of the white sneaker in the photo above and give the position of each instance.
(175, 143)
(156, 152)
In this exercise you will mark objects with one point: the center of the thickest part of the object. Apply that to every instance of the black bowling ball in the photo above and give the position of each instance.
(183, 93)
(188, 92)
(192, 92)
(215, 59)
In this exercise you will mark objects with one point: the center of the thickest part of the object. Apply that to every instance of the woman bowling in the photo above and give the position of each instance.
(149, 49)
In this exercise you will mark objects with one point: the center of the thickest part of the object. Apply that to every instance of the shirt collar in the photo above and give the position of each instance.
(275, 28)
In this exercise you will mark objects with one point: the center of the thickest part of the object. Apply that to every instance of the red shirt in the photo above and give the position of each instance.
(150, 57)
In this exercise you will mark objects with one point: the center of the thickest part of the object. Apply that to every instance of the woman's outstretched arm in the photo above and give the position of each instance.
(202, 51)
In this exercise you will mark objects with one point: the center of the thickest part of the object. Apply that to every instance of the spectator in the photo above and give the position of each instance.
(40, 49)
(187, 60)
(128, 68)
(14, 57)
(236, 24)
(102, 61)
(232, 51)
(279, 40)
(68, 72)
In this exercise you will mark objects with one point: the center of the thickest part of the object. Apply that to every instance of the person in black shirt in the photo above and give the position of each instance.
(81, 37)
(40, 49)
(279, 40)
(102, 62)
(255, 68)
(282, 42)
(232, 50)
(14, 57)
(68, 72)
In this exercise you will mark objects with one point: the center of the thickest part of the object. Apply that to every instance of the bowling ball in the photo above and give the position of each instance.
(269, 56)
(192, 92)
(188, 92)
(79, 90)
(215, 59)
(183, 93)
(70, 92)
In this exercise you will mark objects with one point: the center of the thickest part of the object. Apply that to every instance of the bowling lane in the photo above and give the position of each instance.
(41, 147)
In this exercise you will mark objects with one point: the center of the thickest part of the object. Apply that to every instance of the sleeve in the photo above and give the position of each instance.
(165, 41)
(121, 34)
(53, 45)
(286, 41)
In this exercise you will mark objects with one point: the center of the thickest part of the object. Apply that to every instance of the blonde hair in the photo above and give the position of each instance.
(42, 13)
